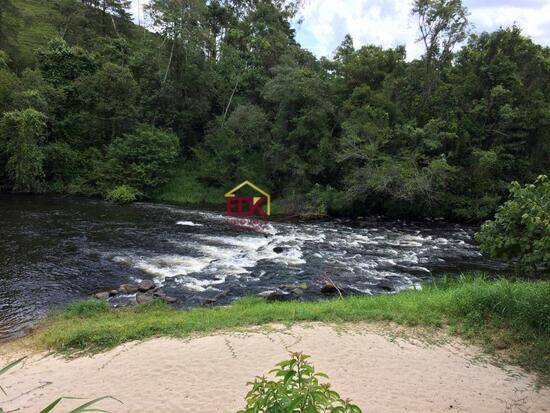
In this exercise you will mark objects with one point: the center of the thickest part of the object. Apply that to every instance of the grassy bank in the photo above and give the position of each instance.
(503, 314)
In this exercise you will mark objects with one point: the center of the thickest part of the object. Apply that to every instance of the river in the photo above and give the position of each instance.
(54, 250)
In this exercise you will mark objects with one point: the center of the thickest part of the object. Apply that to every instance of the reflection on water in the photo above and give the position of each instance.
(54, 250)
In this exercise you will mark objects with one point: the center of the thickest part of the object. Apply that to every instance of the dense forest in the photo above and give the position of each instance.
(214, 92)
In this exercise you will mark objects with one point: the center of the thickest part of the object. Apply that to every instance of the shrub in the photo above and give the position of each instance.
(520, 231)
(21, 133)
(122, 194)
(297, 389)
(315, 202)
(141, 159)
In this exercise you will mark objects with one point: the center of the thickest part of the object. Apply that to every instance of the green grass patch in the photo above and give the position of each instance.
(502, 313)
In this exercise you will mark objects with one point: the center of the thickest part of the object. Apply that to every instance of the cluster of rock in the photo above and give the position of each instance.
(286, 292)
(145, 292)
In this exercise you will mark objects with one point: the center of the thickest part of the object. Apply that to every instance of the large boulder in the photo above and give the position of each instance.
(146, 285)
(128, 289)
(142, 298)
(102, 295)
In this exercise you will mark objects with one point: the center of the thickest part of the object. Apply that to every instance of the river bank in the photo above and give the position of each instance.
(380, 367)
(508, 318)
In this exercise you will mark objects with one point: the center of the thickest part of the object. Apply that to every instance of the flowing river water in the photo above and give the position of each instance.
(54, 250)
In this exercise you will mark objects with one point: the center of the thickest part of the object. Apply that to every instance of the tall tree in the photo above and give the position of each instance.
(443, 24)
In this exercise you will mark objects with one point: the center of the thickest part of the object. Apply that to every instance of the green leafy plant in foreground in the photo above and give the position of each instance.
(295, 390)
(86, 407)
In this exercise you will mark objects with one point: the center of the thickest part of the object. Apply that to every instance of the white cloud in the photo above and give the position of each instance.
(534, 19)
(385, 23)
(388, 23)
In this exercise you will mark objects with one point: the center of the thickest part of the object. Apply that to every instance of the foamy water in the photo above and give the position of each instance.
(382, 258)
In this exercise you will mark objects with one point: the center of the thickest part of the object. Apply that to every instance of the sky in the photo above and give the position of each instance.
(388, 23)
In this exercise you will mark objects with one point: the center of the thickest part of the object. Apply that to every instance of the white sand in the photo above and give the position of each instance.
(209, 374)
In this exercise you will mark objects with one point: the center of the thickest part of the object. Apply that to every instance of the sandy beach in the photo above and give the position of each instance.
(378, 372)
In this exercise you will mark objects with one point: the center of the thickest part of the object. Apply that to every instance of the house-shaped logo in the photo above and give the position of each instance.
(247, 206)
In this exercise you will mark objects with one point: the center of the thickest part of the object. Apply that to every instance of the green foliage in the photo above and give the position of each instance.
(107, 100)
(62, 164)
(21, 136)
(122, 194)
(184, 187)
(296, 389)
(141, 159)
(316, 201)
(520, 231)
(439, 136)
(60, 63)
(9, 84)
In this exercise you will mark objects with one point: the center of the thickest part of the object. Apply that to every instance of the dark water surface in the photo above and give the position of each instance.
(54, 250)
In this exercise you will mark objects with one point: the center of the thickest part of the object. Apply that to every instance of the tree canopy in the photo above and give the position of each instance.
(220, 89)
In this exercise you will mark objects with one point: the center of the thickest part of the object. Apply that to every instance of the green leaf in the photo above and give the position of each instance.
(51, 406)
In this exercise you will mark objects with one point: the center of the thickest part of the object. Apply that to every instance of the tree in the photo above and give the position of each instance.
(21, 134)
(443, 24)
(60, 63)
(107, 100)
(9, 84)
(234, 151)
(141, 159)
(109, 10)
(302, 149)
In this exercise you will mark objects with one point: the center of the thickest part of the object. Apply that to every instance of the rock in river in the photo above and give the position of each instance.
(146, 285)
(128, 289)
(142, 298)
(102, 295)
